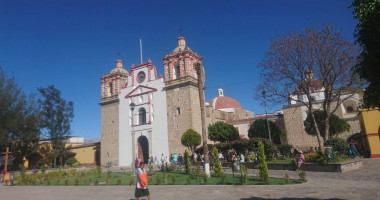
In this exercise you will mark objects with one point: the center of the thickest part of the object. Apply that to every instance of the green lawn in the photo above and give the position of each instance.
(126, 178)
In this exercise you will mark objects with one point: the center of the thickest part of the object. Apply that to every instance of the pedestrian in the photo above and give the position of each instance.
(203, 161)
(353, 149)
(300, 160)
(180, 160)
(221, 157)
(175, 158)
(142, 182)
(242, 158)
(211, 160)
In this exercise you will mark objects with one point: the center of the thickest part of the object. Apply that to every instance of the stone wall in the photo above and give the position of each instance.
(296, 135)
(183, 114)
(110, 133)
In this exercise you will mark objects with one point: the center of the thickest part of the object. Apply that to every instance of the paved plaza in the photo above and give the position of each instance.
(358, 184)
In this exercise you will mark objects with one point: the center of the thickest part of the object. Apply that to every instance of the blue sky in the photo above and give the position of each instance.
(71, 43)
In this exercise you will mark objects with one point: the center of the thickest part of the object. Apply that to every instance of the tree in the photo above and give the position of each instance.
(187, 162)
(19, 117)
(367, 35)
(191, 139)
(56, 117)
(264, 175)
(222, 132)
(318, 59)
(259, 129)
(217, 165)
(336, 125)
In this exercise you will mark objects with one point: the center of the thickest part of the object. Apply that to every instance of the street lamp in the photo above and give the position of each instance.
(266, 114)
(133, 105)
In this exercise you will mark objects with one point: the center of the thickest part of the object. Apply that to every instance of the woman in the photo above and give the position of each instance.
(300, 160)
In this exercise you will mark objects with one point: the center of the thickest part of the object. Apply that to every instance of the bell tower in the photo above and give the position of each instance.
(111, 84)
(182, 96)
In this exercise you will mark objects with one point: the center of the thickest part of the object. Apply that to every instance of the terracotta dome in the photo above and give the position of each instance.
(222, 102)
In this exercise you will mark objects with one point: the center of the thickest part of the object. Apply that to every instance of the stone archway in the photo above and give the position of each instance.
(143, 149)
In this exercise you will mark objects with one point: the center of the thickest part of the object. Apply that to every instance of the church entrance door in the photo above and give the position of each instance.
(143, 149)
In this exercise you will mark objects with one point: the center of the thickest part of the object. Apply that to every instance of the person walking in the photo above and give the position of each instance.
(300, 160)
(180, 160)
(353, 149)
(142, 182)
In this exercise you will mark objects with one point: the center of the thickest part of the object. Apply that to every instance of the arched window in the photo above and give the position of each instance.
(350, 109)
(176, 71)
(142, 116)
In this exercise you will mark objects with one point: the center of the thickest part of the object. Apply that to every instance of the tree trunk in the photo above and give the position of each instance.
(321, 144)
(203, 119)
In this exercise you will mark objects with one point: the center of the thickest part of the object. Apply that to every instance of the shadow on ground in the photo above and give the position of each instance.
(260, 198)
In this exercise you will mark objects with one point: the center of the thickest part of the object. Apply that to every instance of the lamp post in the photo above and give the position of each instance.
(266, 114)
(132, 105)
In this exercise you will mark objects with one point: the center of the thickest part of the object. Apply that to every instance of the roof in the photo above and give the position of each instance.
(223, 102)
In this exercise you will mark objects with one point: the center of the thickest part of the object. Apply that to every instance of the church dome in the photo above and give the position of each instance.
(222, 102)
(119, 68)
(181, 45)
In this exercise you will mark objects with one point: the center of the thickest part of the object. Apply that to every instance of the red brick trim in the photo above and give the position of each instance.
(371, 134)
(375, 155)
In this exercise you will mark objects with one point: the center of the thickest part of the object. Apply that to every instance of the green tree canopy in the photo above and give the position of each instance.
(222, 132)
(259, 129)
(56, 117)
(367, 35)
(337, 125)
(191, 139)
(19, 118)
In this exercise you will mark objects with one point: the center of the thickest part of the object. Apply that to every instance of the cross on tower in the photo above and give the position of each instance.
(6, 158)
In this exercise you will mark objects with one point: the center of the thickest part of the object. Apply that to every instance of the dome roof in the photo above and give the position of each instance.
(223, 102)
(181, 45)
(119, 68)
(180, 49)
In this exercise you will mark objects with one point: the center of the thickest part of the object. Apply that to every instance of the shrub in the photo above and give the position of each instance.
(85, 182)
(338, 145)
(250, 158)
(107, 181)
(223, 179)
(217, 164)
(244, 178)
(76, 181)
(71, 161)
(57, 181)
(315, 157)
(43, 169)
(158, 181)
(285, 149)
(99, 171)
(96, 182)
(48, 182)
(286, 178)
(302, 175)
(73, 172)
(118, 182)
(173, 180)
(66, 182)
(264, 175)
(188, 181)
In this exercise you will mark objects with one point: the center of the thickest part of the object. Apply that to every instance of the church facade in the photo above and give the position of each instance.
(164, 108)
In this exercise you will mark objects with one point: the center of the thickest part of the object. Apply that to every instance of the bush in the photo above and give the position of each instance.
(71, 161)
(286, 178)
(217, 165)
(302, 175)
(187, 162)
(338, 145)
(285, 149)
(264, 175)
(315, 157)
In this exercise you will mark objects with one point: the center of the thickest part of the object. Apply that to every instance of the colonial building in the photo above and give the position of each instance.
(164, 108)
(296, 112)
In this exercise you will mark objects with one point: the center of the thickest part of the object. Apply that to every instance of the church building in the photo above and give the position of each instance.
(143, 114)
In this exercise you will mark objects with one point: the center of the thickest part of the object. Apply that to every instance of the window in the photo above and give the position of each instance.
(350, 109)
(177, 71)
(178, 111)
(142, 116)
(110, 89)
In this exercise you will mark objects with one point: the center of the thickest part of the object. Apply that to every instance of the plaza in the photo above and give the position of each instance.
(358, 184)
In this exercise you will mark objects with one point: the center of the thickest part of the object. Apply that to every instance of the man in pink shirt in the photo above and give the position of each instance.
(300, 160)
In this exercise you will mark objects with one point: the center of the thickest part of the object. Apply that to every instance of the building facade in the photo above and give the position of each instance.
(164, 108)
